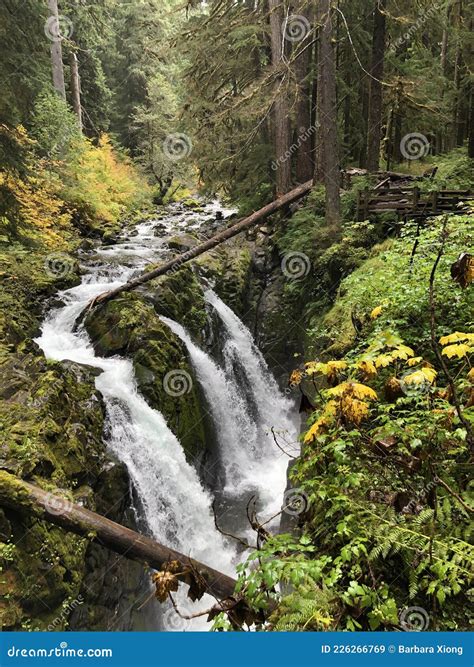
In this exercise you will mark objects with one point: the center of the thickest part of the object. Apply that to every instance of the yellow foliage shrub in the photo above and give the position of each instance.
(99, 182)
(35, 210)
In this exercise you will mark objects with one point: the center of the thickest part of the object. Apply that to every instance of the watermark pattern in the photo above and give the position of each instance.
(58, 28)
(414, 146)
(59, 265)
(177, 383)
(295, 265)
(177, 146)
(295, 502)
(414, 619)
(414, 504)
(57, 505)
(419, 23)
(174, 622)
(415, 389)
(295, 28)
(65, 613)
(305, 134)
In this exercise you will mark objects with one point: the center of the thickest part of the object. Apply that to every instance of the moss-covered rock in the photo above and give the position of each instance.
(130, 325)
(51, 421)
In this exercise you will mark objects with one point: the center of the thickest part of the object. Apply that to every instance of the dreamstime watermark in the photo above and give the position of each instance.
(61, 651)
(295, 28)
(414, 619)
(65, 613)
(415, 389)
(295, 265)
(59, 265)
(295, 502)
(304, 136)
(177, 383)
(57, 505)
(414, 146)
(174, 622)
(177, 146)
(414, 504)
(58, 28)
(419, 23)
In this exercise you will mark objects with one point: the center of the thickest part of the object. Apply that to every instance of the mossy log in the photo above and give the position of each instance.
(29, 499)
(177, 262)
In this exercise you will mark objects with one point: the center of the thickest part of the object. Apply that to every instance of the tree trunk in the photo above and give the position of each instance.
(470, 147)
(76, 89)
(444, 50)
(328, 109)
(318, 175)
(177, 262)
(280, 106)
(57, 53)
(29, 499)
(374, 124)
(304, 130)
(457, 74)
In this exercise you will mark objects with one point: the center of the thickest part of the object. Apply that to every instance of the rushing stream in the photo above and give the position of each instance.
(242, 397)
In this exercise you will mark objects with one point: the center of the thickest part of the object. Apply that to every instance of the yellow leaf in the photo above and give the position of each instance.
(324, 420)
(421, 376)
(403, 352)
(456, 337)
(313, 367)
(367, 367)
(460, 350)
(414, 361)
(383, 360)
(376, 312)
(354, 389)
(429, 373)
(337, 365)
(295, 378)
(354, 410)
(470, 375)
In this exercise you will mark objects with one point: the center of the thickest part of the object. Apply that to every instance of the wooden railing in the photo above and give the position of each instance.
(408, 202)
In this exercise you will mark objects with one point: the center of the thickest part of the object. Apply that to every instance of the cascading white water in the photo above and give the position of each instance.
(244, 414)
(176, 506)
(236, 431)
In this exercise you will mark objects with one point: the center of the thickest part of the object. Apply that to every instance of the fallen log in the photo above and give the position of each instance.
(29, 499)
(177, 262)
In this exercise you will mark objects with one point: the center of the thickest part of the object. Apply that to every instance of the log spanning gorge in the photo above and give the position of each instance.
(174, 492)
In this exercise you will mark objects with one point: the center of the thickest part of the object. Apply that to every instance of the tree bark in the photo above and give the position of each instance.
(304, 130)
(458, 9)
(29, 499)
(76, 89)
(280, 106)
(57, 54)
(470, 146)
(318, 176)
(374, 124)
(177, 262)
(328, 120)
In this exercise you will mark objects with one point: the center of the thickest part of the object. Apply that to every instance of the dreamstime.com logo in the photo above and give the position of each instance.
(61, 651)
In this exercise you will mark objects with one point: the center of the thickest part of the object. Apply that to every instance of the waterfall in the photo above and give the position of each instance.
(244, 412)
(243, 399)
(176, 507)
